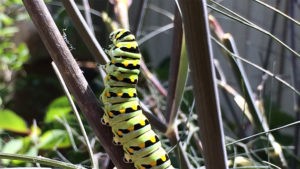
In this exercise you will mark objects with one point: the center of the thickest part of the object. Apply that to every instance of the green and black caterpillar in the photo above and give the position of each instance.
(123, 113)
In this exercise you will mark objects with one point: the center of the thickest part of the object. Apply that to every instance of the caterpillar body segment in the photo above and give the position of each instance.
(119, 79)
(130, 127)
(123, 65)
(118, 95)
(121, 35)
(141, 146)
(157, 160)
(125, 50)
(117, 113)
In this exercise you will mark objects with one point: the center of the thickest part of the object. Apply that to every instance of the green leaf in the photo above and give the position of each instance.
(8, 31)
(11, 121)
(13, 146)
(6, 19)
(54, 139)
(60, 107)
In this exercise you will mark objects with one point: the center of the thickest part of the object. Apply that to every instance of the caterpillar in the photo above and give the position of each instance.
(130, 127)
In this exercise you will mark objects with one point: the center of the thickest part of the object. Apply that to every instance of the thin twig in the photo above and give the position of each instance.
(140, 17)
(259, 68)
(263, 133)
(270, 40)
(174, 66)
(161, 11)
(81, 126)
(278, 11)
(252, 25)
(87, 14)
(154, 33)
(42, 160)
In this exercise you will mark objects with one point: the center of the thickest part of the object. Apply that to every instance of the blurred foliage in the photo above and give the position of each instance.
(12, 55)
(55, 132)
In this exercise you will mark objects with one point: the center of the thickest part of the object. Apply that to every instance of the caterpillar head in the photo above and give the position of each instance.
(121, 35)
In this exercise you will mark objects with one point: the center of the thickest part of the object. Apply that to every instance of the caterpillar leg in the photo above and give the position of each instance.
(105, 120)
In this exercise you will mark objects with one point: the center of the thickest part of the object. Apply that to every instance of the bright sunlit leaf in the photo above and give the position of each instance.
(12, 122)
(60, 107)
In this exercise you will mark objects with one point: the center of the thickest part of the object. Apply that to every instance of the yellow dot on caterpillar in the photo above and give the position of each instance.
(125, 63)
(119, 94)
(132, 79)
(130, 94)
(134, 64)
(108, 94)
(130, 150)
(142, 122)
(107, 77)
(118, 45)
(163, 158)
(110, 114)
(131, 128)
(142, 145)
(134, 107)
(120, 78)
(120, 133)
(113, 61)
(153, 164)
(153, 139)
(122, 111)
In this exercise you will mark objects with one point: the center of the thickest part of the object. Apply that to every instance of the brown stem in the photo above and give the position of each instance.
(200, 56)
(73, 77)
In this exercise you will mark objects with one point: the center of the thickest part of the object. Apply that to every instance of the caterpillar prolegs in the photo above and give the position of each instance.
(123, 113)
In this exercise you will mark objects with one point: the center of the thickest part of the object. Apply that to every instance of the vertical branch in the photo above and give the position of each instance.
(200, 55)
(73, 77)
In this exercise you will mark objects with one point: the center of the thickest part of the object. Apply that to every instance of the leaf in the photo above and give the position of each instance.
(8, 31)
(60, 107)
(12, 147)
(11, 121)
(5, 19)
(54, 139)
